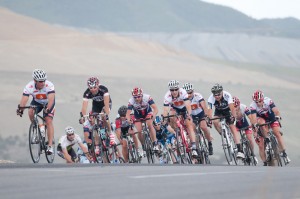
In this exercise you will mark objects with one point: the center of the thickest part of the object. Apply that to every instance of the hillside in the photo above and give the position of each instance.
(149, 16)
(69, 57)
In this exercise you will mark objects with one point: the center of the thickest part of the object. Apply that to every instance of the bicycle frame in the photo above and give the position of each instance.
(248, 152)
(201, 140)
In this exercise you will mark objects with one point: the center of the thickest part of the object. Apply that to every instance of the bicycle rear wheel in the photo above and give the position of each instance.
(50, 158)
(34, 142)
(149, 150)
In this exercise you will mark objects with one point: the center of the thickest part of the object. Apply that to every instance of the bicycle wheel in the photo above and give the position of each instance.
(92, 151)
(34, 142)
(199, 148)
(50, 158)
(275, 149)
(205, 151)
(149, 150)
(181, 151)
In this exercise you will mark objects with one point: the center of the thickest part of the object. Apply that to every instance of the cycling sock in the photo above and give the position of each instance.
(239, 147)
(193, 145)
(209, 143)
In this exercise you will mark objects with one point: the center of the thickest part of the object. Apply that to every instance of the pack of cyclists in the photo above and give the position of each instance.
(142, 110)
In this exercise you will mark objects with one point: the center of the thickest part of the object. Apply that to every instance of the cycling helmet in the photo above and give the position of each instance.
(188, 87)
(173, 84)
(216, 89)
(236, 101)
(137, 92)
(93, 82)
(122, 111)
(258, 96)
(39, 75)
(69, 130)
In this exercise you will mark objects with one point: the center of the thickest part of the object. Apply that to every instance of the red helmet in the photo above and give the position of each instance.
(258, 96)
(236, 101)
(137, 92)
(93, 82)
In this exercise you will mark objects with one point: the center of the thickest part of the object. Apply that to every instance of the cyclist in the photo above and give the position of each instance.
(263, 110)
(101, 102)
(43, 95)
(224, 107)
(144, 109)
(65, 144)
(87, 131)
(122, 128)
(176, 101)
(199, 111)
(241, 121)
(83, 158)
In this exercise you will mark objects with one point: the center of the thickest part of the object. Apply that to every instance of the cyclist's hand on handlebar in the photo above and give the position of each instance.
(278, 118)
(81, 120)
(19, 112)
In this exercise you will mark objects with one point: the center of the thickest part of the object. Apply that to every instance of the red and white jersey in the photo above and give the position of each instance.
(67, 144)
(40, 96)
(195, 103)
(265, 110)
(146, 102)
(177, 102)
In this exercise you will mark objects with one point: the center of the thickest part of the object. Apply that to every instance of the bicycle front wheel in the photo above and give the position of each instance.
(275, 148)
(34, 143)
(50, 158)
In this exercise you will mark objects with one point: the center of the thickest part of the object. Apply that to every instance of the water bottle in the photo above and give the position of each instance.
(42, 129)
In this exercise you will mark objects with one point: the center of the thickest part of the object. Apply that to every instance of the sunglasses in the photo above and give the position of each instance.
(191, 92)
(217, 95)
(136, 97)
(172, 90)
(91, 88)
(70, 134)
(258, 101)
(41, 81)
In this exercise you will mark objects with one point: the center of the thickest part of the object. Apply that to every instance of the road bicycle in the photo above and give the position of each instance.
(249, 159)
(228, 144)
(201, 143)
(38, 140)
(182, 140)
(148, 147)
(99, 139)
(167, 148)
(271, 146)
(133, 154)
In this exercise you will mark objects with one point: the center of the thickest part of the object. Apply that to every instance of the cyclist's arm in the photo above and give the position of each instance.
(67, 156)
(209, 110)
(155, 110)
(232, 109)
(188, 106)
(166, 110)
(84, 106)
(24, 100)
(106, 103)
(204, 107)
(276, 111)
(51, 97)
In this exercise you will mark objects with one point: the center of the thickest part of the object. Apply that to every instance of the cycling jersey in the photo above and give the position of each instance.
(223, 104)
(176, 102)
(195, 104)
(39, 96)
(141, 109)
(265, 111)
(123, 125)
(98, 98)
(67, 144)
(241, 120)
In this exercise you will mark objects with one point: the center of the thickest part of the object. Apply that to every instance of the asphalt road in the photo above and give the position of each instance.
(49, 181)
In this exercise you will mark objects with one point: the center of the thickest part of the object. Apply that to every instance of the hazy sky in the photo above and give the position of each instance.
(263, 8)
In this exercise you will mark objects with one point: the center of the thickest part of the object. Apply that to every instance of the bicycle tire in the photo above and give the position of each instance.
(275, 149)
(34, 142)
(49, 158)
(199, 148)
(93, 146)
(149, 151)
(135, 152)
(181, 151)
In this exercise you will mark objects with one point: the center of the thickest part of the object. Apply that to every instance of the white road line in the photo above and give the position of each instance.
(190, 174)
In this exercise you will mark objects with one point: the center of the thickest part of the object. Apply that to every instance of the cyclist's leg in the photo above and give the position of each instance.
(50, 128)
(152, 131)
(276, 130)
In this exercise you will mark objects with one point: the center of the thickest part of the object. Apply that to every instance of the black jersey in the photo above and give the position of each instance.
(98, 98)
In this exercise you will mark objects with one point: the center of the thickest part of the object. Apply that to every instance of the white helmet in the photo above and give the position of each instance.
(39, 75)
(69, 130)
(188, 87)
(173, 84)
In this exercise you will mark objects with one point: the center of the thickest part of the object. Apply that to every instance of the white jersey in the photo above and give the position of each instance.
(40, 96)
(176, 102)
(66, 144)
(195, 103)
(145, 104)
(242, 112)
(265, 110)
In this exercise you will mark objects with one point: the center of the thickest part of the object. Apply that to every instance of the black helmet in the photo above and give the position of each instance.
(216, 89)
(122, 111)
